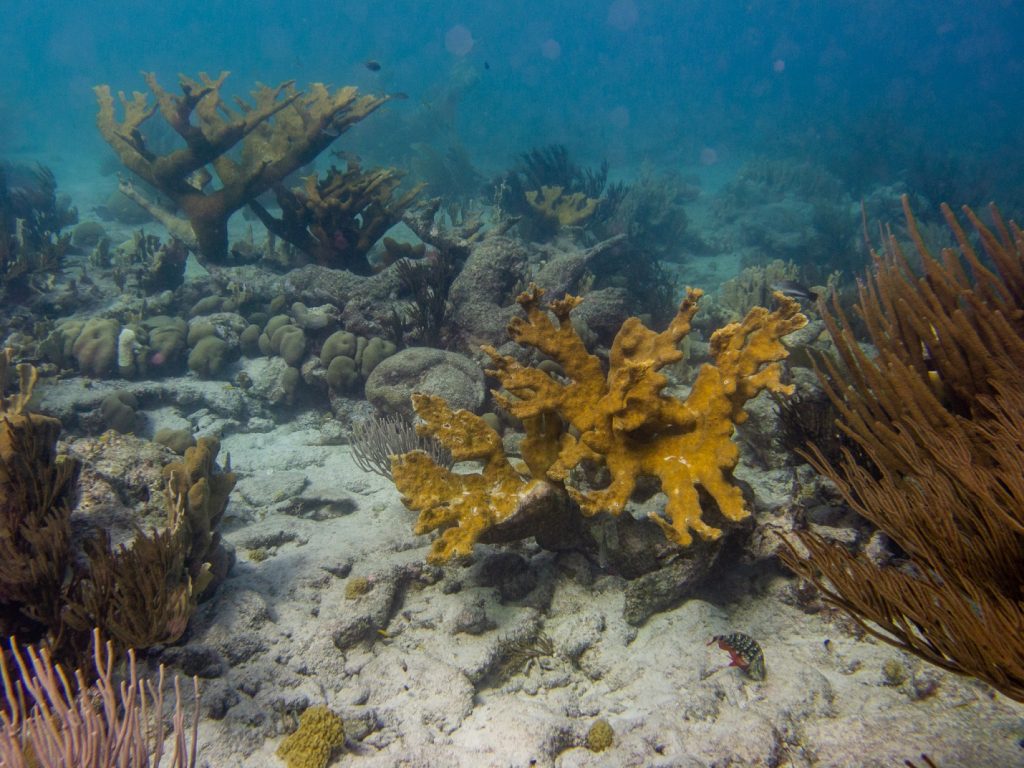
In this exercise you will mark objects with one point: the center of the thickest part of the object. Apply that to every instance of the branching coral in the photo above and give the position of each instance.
(620, 420)
(32, 216)
(462, 505)
(939, 416)
(559, 208)
(338, 219)
(280, 131)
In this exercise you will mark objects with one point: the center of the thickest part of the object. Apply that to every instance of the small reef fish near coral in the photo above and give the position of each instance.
(744, 652)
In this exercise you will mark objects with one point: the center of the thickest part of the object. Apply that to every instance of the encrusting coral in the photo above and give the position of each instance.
(620, 420)
(282, 130)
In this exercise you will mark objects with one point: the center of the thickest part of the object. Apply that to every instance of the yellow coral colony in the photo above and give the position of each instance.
(464, 505)
(556, 207)
(320, 733)
(620, 420)
(19, 426)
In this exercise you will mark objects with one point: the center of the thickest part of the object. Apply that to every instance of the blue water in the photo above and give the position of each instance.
(874, 91)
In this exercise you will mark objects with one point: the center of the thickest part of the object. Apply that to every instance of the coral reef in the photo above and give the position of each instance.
(939, 417)
(650, 211)
(426, 318)
(794, 211)
(337, 219)
(619, 420)
(547, 191)
(138, 595)
(752, 287)
(32, 215)
(462, 505)
(144, 594)
(376, 440)
(449, 175)
(50, 711)
(199, 496)
(282, 130)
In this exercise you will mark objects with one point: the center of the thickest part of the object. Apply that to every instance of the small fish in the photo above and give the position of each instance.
(487, 65)
(373, 65)
(744, 652)
(794, 290)
(400, 96)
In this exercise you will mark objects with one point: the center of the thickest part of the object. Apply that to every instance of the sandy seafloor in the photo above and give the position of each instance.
(414, 666)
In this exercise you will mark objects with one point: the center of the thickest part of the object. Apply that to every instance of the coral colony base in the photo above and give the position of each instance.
(399, 480)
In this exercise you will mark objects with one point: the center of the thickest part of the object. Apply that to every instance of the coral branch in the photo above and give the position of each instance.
(280, 130)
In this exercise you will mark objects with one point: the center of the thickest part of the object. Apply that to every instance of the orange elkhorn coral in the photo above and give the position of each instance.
(619, 419)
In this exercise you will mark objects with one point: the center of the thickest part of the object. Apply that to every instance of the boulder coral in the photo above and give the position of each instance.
(620, 420)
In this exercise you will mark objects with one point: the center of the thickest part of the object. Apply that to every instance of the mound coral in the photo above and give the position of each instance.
(320, 733)
(282, 130)
(620, 420)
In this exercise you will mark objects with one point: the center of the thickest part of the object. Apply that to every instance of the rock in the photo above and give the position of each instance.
(666, 587)
(483, 293)
(194, 659)
(510, 573)
(604, 311)
(472, 620)
(315, 318)
(454, 377)
(272, 379)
